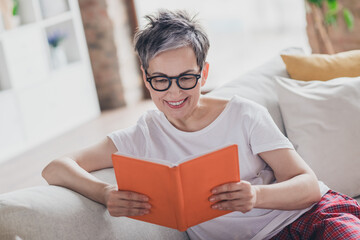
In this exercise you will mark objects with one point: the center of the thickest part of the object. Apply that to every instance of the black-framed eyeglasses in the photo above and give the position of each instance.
(184, 81)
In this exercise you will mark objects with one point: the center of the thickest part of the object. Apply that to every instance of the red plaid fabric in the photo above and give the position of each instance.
(336, 216)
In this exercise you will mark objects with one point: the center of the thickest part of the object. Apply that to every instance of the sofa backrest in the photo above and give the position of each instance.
(259, 85)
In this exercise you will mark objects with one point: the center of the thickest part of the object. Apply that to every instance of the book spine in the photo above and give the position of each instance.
(179, 200)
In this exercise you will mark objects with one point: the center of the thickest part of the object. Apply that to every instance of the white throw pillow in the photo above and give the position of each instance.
(322, 120)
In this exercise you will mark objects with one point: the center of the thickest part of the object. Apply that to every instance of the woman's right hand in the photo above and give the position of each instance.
(125, 203)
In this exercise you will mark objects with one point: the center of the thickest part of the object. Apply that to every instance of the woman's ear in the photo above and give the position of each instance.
(144, 78)
(204, 73)
(143, 73)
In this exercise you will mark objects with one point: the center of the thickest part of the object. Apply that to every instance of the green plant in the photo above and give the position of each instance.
(333, 11)
(15, 11)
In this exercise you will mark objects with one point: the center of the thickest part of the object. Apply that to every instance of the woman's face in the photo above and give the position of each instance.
(176, 103)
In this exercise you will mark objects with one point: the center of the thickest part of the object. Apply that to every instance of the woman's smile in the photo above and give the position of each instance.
(176, 104)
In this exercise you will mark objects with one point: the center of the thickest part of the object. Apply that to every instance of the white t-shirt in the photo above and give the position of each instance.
(243, 122)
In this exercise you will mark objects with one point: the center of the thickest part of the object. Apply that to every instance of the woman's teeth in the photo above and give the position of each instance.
(176, 103)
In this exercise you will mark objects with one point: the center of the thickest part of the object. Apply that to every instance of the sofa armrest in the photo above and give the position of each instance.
(51, 212)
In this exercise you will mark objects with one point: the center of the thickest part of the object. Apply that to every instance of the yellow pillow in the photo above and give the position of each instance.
(323, 66)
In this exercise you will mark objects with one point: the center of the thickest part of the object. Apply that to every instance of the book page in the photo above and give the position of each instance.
(156, 181)
(200, 175)
(153, 160)
(195, 156)
(170, 164)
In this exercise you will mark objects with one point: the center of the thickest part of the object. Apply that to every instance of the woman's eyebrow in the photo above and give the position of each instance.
(163, 74)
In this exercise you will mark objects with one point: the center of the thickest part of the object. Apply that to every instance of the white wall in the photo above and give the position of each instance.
(243, 33)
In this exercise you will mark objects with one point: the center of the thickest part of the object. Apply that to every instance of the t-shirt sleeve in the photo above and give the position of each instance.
(129, 140)
(265, 135)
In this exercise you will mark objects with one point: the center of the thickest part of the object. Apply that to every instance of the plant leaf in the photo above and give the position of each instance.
(330, 18)
(332, 5)
(15, 10)
(316, 2)
(349, 19)
(332, 12)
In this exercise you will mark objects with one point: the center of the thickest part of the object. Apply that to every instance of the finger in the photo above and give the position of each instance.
(119, 207)
(120, 211)
(226, 196)
(227, 187)
(129, 195)
(233, 205)
(230, 204)
(242, 194)
(137, 212)
(115, 204)
(133, 204)
(225, 205)
(230, 187)
(128, 208)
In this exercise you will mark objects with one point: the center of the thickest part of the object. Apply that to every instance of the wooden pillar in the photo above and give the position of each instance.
(335, 38)
(103, 54)
(133, 19)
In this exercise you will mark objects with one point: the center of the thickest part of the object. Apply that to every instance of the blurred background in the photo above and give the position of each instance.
(243, 33)
(69, 74)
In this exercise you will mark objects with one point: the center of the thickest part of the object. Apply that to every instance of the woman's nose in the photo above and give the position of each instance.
(174, 88)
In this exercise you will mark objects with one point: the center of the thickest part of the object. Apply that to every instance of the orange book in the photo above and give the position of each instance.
(178, 193)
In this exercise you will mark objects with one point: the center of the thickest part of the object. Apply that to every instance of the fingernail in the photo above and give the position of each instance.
(146, 211)
(214, 206)
(148, 206)
(212, 199)
(214, 191)
(145, 198)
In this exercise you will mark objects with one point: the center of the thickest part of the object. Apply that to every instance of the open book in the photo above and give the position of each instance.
(178, 193)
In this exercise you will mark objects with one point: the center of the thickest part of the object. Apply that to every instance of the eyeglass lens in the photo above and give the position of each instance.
(185, 82)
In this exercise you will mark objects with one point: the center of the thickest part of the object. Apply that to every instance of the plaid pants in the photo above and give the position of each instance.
(336, 216)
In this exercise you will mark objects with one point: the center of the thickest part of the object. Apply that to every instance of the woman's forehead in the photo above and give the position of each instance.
(174, 61)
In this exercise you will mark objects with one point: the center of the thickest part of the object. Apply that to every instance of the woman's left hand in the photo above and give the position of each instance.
(240, 196)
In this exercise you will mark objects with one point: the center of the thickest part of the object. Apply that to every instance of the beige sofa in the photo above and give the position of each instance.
(50, 212)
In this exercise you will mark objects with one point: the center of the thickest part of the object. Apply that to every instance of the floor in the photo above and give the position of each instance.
(25, 170)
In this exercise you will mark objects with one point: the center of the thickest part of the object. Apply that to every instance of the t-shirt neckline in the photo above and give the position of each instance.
(203, 130)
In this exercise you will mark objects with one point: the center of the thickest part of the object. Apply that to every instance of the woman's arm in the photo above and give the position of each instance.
(296, 186)
(72, 171)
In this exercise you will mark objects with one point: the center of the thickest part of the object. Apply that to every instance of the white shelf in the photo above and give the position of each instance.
(69, 44)
(66, 16)
(24, 54)
(51, 8)
(42, 100)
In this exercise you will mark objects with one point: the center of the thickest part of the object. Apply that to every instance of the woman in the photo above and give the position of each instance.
(278, 192)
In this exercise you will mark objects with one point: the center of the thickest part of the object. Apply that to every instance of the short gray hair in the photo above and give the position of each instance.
(168, 30)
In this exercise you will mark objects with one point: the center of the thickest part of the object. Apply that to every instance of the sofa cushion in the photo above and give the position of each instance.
(51, 212)
(322, 120)
(258, 85)
(322, 66)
